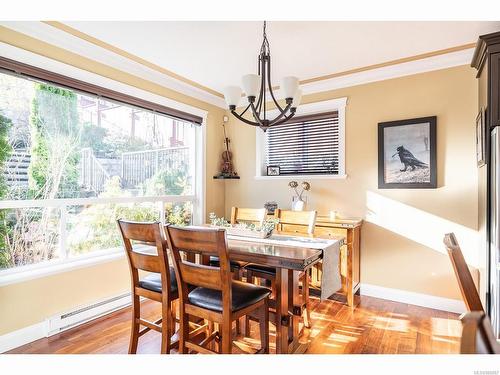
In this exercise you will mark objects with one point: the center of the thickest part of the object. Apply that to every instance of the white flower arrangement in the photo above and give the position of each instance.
(250, 229)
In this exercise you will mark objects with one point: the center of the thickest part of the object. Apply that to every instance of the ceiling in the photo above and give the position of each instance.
(217, 54)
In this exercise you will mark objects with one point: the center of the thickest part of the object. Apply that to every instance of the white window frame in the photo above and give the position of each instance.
(66, 263)
(339, 105)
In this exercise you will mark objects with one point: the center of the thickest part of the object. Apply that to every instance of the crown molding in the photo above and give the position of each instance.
(444, 61)
(69, 42)
(99, 43)
(65, 37)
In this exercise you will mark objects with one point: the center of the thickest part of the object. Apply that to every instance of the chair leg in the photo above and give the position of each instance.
(306, 301)
(210, 330)
(238, 327)
(183, 330)
(247, 319)
(264, 327)
(134, 334)
(227, 339)
(166, 327)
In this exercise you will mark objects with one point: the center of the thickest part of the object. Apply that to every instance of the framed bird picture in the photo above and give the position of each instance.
(407, 154)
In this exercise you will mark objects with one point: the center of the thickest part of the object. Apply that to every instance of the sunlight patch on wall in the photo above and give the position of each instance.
(420, 226)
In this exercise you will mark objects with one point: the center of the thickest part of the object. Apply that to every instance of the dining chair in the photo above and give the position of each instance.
(146, 249)
(296, 222)
(248, 215)
(462, 272)
(242, 215)
(477, 334)
(216, 297)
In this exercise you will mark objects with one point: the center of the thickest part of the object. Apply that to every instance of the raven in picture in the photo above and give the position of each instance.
(408, 159)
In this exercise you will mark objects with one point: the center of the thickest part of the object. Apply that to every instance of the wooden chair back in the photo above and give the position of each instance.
(252, 215)
(462, 272)
(135, 235)
(477, 334)
(206, 242)
(296, 221)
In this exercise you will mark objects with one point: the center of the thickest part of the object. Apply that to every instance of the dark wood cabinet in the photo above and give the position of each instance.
(486, 60)
(494, 87)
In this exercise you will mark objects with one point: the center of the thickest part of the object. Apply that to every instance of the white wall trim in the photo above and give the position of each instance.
(22, 336)
(412, 298)
(338, 104)
(61, 39)
(429, 64)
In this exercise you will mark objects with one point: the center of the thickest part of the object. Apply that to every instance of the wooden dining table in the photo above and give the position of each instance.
(289, 262)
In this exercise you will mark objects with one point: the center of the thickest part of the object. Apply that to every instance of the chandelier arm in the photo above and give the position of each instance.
(244, 119)
(255, 115)
(262, 85)
(271, 87)
(246, 109)
(283, 111)
(283, 120)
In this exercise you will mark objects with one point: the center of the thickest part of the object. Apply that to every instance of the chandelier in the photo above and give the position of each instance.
(257, 85)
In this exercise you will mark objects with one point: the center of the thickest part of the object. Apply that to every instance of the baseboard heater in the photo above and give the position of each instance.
(84, 314)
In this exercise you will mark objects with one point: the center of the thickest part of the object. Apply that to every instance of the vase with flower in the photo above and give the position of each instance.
(299, 199)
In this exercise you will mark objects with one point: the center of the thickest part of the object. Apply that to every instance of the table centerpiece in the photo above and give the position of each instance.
(244, 229)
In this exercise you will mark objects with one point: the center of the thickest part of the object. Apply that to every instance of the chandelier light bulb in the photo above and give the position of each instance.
(289, 86)
(232, 95)
(251, 85)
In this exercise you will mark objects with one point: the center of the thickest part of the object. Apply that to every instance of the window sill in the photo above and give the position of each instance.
(36, 271)
(303, 176)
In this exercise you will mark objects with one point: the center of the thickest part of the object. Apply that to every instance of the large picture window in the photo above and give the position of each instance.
(73, 162)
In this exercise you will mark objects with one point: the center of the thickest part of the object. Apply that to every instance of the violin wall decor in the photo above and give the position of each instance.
(227, 169)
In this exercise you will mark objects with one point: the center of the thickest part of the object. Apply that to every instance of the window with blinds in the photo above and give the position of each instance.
(306, 145)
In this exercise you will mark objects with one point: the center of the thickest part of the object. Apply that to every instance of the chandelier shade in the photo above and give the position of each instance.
(289, 86)
(232, 95)
(256, 88)
(251, 85)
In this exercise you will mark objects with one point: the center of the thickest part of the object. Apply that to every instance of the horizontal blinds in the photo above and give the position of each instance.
(88, 88)
(306, 145)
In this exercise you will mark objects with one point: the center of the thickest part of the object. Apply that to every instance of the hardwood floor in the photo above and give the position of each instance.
(375, 326)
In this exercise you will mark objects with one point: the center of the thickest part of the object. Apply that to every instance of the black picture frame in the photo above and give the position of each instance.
(411, 161)
(273, 170)
(480, 138)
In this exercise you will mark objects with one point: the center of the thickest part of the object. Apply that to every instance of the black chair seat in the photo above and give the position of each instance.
(153, 282)
(235, 265)
(262, 269)
(244, 295)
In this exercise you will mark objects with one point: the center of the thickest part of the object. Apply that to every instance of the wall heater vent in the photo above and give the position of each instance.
(83, 314)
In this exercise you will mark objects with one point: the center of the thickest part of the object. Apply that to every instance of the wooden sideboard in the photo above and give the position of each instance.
(350, 255)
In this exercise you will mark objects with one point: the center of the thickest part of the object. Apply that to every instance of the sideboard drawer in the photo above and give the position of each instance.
(329, 232)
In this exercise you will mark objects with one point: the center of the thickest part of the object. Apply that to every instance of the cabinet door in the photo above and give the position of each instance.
(494, 89)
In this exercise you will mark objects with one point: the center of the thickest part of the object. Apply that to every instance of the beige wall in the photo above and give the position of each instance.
(389, 258)
(401, 238)
(33, 301)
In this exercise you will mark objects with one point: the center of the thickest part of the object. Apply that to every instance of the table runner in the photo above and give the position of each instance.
(330, 276)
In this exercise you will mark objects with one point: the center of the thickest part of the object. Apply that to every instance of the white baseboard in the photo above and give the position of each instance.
(64, 321)
(22, 336)
(412, 298)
